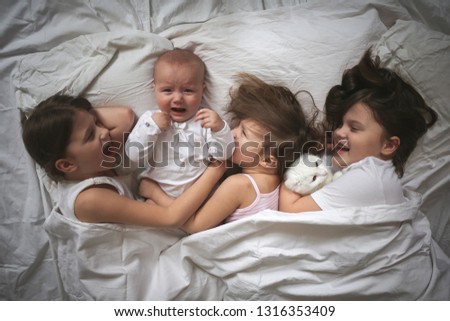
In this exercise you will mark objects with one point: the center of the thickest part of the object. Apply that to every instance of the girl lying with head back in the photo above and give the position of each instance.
(377, 119)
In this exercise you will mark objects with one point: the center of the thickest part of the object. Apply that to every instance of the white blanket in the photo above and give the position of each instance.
(372, 253)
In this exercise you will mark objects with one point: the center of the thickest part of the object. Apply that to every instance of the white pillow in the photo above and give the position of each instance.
(108, 68)
(305, 47)
(422, 58)
(68, 68)
(166, 14)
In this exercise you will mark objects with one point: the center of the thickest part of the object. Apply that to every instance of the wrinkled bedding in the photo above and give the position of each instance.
(106, 52)
(372, 253)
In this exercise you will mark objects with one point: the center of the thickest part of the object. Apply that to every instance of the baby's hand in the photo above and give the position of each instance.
(162, 120)
(209, 119)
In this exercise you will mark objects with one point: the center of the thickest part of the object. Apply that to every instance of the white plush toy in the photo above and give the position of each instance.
(308, 174)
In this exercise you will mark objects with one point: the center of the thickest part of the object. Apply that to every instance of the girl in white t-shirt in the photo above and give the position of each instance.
(377, 119)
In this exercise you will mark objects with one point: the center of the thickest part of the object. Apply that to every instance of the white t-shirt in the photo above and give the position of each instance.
(177, 157)
(371, 181)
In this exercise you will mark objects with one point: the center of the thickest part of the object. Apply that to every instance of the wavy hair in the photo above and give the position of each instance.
(277, 109)
(395, 104)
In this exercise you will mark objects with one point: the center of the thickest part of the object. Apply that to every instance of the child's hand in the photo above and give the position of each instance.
(153, 193)
(162, 120)
(218, 166)
(209, 119)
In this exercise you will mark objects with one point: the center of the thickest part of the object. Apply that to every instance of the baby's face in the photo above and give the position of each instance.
(179, 89)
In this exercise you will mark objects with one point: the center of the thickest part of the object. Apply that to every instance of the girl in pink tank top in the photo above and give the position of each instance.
(262, 202)
(269, 128)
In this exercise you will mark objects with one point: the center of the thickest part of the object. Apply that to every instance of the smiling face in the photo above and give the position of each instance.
(179, 89)
(88, 153)
(360, 136)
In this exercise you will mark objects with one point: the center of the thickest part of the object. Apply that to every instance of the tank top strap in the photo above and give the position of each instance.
(255, 186)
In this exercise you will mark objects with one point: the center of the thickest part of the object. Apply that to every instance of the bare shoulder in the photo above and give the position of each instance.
(238, 181)
(240, 188)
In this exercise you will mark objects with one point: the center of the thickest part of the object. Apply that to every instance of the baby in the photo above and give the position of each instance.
(175, 143)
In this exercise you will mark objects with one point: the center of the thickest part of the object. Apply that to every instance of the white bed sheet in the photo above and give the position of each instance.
(372, 253)
(269, 43)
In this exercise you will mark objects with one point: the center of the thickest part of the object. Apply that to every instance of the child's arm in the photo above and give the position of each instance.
(225, 200)
(151, 190)
(292, 202)
(118, 120)
(102, 204)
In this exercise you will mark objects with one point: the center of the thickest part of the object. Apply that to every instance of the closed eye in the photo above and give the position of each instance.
(90, 135)
(98, 123)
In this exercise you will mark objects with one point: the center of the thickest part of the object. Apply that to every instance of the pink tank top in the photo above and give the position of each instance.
(262, 201)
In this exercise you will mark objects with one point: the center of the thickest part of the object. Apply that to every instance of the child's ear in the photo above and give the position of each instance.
(269, 162)
(65, 166)
(390, 146)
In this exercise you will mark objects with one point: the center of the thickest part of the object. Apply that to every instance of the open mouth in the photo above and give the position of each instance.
(341, 147)
(178, 110)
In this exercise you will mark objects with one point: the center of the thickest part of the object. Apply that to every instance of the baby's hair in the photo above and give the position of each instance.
(181, 56)
(46, 132)
(396, 105)
(277, 109)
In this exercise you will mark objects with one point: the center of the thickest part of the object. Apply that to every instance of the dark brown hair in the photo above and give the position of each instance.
(277, 109)
(396, 105)
(46, 131)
